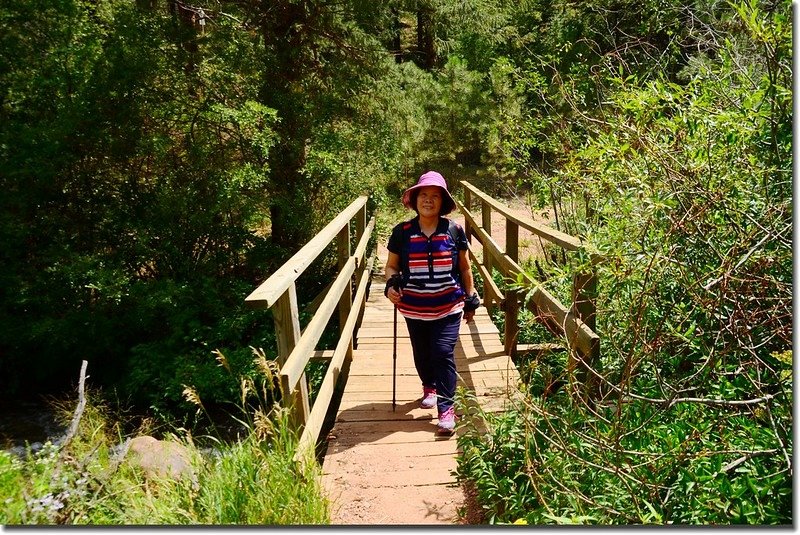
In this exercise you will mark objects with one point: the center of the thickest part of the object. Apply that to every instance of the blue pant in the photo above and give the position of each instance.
(434, 343)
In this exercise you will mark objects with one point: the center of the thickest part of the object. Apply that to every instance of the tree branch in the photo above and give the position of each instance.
(76, 418)
(671, 402)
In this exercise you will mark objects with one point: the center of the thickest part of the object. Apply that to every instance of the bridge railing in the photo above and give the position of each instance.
(575, 323)
(279, 293)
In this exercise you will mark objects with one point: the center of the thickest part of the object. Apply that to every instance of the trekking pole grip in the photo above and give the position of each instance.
(393, 282)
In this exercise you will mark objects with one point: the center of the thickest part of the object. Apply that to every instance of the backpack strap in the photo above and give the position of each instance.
(406, 235)
(452, 230)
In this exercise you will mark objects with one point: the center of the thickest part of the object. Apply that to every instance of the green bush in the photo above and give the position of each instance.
(681, 184)
(547, 463)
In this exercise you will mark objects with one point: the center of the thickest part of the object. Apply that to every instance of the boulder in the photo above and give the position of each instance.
(160, 458)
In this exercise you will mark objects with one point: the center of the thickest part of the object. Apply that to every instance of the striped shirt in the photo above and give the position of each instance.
(430, 290)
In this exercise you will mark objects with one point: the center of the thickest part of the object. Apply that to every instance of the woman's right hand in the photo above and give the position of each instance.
(394, 295)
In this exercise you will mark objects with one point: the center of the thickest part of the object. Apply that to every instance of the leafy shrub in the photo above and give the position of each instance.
(683, 188)
(686, 465)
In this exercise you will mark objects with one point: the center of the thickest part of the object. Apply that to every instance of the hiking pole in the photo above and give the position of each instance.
(394, 282)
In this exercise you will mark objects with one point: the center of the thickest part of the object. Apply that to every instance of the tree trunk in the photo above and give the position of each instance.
(397, 47)
(426, 49)
(147, 5)
(289, 208)
(186, 23)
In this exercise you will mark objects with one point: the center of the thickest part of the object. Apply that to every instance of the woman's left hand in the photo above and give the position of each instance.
(471, 304)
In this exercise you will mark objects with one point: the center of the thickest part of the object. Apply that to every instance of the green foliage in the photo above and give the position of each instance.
(199, 321)
(260, 484)
(136, 158)
(531, 331)
(254, 481)
(679, 177)
(130, 194)
(154, 171)
(687, 465)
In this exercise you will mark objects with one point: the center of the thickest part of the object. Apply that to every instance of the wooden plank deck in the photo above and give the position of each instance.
(392, 468)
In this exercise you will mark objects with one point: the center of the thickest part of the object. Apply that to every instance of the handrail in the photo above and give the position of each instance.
(296, 362)
(298, 358)
(278, 293)
(565, 241)
(576, 323)
(577, 331)
(317, 417)
(268, 293)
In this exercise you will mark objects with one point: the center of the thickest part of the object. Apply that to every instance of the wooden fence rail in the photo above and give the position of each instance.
(279, 294)
(576, 323)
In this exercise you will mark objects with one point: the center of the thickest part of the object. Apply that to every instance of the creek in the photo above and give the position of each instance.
(28, 423)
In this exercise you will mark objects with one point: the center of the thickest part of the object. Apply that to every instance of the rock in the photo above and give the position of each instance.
(161, 458)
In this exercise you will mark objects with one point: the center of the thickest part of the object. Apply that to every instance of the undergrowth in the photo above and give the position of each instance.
(682, 188)
(252, 481)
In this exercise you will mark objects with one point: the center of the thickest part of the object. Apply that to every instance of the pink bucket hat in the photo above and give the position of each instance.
(431, 178)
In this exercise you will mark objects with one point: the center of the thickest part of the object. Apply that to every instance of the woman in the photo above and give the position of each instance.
(428, 257)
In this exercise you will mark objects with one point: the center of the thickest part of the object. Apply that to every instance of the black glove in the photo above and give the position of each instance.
(393, 282)
(472, 302)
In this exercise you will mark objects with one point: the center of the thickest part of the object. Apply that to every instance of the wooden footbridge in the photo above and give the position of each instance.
(383, 466)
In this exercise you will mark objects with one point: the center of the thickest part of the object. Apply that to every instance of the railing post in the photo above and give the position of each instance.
(287, 331)
(361, 226)
(584, 306)
(346, 300)
(511, 303)
(361, 222)
(486, 217)
(468, 206)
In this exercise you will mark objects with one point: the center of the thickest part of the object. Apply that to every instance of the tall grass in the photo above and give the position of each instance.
(254, 481)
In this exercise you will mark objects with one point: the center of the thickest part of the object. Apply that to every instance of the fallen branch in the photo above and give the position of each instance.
(720, 402)
(733, 464)
(672, 402)
(76, 418)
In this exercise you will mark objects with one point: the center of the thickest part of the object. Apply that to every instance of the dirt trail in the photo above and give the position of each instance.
(388, 466)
